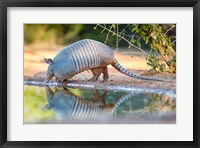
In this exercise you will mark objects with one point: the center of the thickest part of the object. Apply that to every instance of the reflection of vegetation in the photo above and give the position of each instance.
(159, 103)
(81, 93)
(89, 94)
(34, 101)
(154, 104)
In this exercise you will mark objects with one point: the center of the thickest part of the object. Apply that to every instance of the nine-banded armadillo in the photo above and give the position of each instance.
(69, 106)
(84, 55)
(66, 105)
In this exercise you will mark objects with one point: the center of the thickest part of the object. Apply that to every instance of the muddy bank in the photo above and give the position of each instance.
(116, 77)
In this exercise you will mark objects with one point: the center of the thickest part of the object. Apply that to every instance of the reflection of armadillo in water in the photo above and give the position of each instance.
(85, 55)
(67, 105)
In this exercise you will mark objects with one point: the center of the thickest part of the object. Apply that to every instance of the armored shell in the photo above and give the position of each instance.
(80, 56)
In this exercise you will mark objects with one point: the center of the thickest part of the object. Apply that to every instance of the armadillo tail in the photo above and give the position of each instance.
(123, 99)
(117, 66)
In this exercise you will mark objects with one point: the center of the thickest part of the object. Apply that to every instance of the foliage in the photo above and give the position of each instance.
(155, 63)
(50, 33)
(154, 36)
(60, 34)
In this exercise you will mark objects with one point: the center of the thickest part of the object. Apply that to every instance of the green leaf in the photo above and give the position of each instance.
(135, 28)
(133, 40)
(113, 25)
(173, 26)
(138, 43)
(95, 27)
(147, 40)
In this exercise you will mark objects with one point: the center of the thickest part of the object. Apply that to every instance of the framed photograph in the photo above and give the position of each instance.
(104, 73)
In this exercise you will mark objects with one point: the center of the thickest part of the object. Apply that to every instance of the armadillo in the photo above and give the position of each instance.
(86, 54)
(69, 106)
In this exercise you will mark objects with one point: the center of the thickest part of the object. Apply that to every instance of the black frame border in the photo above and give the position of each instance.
(99, 3)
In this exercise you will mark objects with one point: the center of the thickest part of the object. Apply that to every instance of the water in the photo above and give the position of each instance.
(58, 105)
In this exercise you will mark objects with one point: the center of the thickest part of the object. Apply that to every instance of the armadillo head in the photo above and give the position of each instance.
(50, 71)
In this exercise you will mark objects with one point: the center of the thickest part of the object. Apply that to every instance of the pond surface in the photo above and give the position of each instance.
(58, 105)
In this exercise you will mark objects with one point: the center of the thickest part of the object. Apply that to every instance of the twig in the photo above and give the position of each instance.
(107, 35)
(173, 41)
(132, 52)
(169, 29)
(123, 39)
(117, 42)
(102, 31)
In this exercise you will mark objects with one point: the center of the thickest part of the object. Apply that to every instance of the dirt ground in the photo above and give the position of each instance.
(35, 69)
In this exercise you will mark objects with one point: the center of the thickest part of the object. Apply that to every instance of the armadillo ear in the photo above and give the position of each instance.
(48, 61)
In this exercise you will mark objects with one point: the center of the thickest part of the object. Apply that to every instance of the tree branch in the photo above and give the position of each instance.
(123, 39)
(169, 29)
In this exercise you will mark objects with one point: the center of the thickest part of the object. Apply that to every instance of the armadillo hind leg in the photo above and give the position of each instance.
(105, 74)
(99, 99)
(96, 73)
